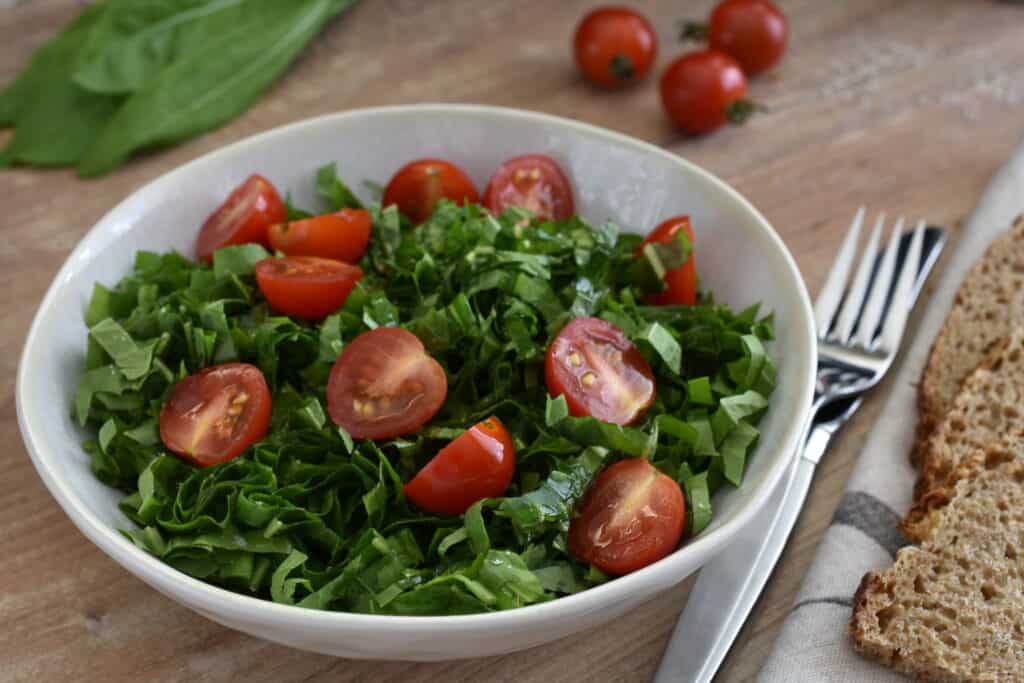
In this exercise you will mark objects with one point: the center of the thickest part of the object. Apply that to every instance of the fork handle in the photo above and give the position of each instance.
(729, 586)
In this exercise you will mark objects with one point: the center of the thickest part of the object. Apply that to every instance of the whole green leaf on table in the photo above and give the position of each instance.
(130, 75)
(55, 120)
(141, 37)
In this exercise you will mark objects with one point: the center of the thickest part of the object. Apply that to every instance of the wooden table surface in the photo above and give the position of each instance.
(904, 106)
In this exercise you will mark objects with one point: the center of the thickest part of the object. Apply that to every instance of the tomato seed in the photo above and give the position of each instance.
(238, 404)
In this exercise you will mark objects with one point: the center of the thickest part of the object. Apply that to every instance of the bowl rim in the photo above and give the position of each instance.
(222, 601)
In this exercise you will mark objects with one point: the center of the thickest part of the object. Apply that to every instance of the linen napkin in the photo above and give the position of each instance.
(813, 644)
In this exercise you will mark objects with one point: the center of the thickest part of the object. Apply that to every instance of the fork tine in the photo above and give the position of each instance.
(827, 303)
(902, 298)
(880, 288)
(859, 289)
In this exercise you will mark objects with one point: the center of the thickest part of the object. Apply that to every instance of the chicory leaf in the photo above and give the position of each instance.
(734, 451)
(551, 504)
(140, 37)
(54, 120)
(335, 192)
(590, 431)
(311, 516)
(657, 338)
(698, 499)
(211, 83)
(237, 260)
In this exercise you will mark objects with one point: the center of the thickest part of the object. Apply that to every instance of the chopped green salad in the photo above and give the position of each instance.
(308, 513)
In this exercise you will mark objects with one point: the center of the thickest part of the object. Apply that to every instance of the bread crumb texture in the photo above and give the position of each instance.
(989, 405)
(988, 305)
(952, 609)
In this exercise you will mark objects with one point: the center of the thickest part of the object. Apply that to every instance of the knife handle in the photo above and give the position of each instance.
(728, 587)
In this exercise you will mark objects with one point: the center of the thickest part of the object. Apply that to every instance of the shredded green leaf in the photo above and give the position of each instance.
(311, 517)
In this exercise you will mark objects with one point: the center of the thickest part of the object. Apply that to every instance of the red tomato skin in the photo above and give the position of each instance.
(306, 286)
(753, 32)
(243, 218)
(698, 88)
(360, 375)
(419, 185)
(341, 236)
(217, 384)
(633, 515)
(565, 375)
(681, 282)
(610, 32)
(533, 181)
(478, 464)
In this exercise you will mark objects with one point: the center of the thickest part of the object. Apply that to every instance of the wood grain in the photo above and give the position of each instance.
(907, 106)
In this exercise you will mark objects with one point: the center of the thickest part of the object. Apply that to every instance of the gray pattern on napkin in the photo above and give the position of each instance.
(871, 516)
(813, 645)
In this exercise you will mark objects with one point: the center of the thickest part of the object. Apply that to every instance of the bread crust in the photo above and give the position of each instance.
(894, 618)
(933, 470)
(887, 623)
(933, 392)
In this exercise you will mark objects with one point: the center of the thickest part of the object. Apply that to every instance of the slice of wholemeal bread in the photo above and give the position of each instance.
(952, 609)
(989, 405)
(989, 303)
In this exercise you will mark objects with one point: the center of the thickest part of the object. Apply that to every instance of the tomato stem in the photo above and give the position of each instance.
(693, 31)
(739, 111)
(622, 67)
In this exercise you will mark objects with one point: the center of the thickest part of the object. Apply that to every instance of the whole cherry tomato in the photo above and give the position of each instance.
(753, 32)
(614, 46)
(703, 90)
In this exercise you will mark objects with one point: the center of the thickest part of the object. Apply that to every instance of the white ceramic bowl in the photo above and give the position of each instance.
(740, 258)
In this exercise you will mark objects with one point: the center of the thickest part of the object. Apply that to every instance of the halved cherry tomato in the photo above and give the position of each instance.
(703, 90)
(342, 235)
(681, 282)
(419, 185)
(479, 463)
(752, 31)
(534, 182)
(306, 286)
(215, 414)
(632, 515)
(385, 384)
(243, 217)
(614, 46)
(599, 371)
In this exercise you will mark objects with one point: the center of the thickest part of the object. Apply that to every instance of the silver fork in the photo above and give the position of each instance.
(855, 346)
(860, 326)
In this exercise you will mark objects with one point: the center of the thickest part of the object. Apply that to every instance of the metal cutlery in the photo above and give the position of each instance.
(860, 326)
